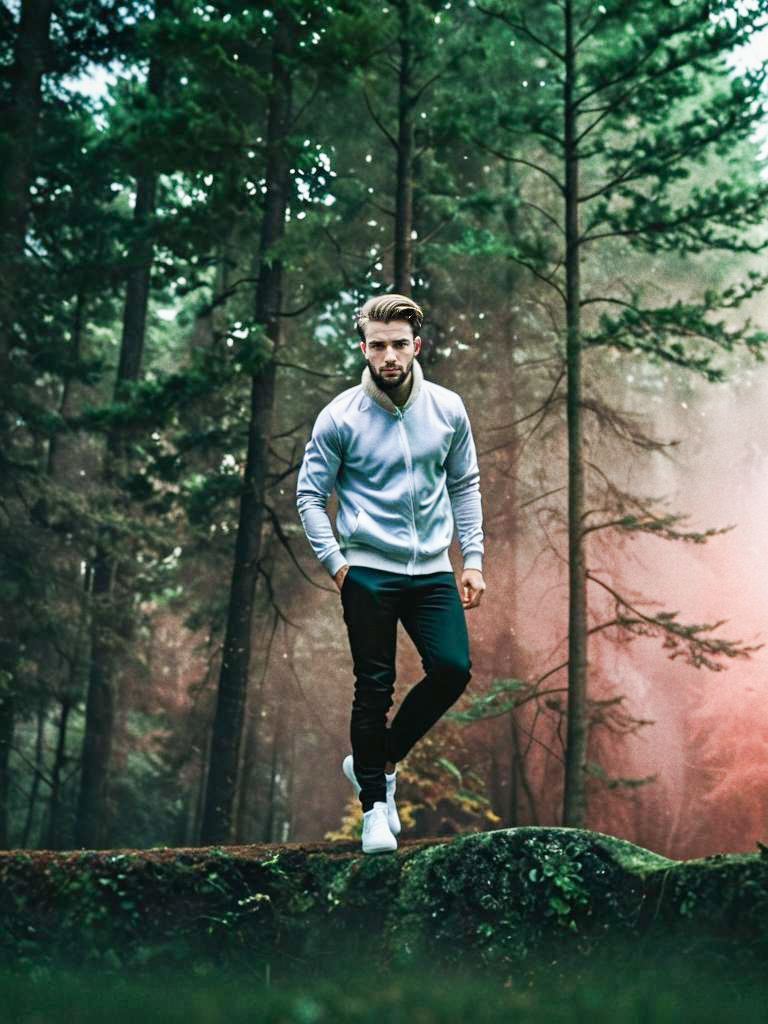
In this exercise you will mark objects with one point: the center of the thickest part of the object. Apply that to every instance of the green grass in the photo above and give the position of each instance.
(629, 993)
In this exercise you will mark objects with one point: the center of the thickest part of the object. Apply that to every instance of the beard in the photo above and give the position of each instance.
(391, 382)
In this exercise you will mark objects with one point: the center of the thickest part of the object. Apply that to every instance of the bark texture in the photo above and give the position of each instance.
(221, 791)
(574, 801)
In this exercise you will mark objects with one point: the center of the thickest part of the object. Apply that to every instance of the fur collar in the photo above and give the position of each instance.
(378, 395)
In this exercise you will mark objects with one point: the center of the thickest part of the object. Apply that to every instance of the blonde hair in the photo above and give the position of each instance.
(384, 308)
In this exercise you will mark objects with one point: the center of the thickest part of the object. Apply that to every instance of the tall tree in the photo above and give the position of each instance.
(90, 32)
(93, 816)
(36, 58)
(21, 116)
(404, 149)
(415, 44)
(221, 791)
(625, 101)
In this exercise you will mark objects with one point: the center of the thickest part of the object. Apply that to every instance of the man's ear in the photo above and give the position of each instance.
(362, 349)
(416, 345)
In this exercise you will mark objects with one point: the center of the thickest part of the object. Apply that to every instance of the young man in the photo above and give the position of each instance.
(400, 453)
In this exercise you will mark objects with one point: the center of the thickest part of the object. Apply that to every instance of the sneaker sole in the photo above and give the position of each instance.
(380, 849)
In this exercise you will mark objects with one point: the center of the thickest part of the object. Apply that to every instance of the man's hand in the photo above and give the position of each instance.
(339, 577)
(472, 587)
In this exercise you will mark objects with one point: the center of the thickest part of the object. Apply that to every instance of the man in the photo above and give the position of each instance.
(400, 453)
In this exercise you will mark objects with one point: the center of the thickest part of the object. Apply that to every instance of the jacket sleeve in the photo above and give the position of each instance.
(316, 479)
(463, 485)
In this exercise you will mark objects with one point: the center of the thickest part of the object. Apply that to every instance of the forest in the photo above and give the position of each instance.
(195, 198)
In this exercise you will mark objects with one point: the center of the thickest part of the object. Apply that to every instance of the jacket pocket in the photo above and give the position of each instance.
(355, 524)
(347, 520)
(393, 539)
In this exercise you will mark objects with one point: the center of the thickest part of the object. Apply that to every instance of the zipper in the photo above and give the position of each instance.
(411, 488)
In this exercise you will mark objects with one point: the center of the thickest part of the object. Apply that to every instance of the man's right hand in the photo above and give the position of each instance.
(339, 577)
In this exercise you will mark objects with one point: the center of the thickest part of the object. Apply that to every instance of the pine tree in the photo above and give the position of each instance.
(624, 102)
(36, 310)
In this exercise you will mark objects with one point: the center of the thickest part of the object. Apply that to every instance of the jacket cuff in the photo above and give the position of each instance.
(334, 562)
(473, 560)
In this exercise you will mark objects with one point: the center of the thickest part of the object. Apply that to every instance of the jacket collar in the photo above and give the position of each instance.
(375, 392)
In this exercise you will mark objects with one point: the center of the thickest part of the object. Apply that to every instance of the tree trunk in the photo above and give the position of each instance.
(20, 127)
(39, 765)
(513, 798)
(20, 120)
(53, 462)
(7, 713)
(273, 826)
(521, 771)
(93, 811)
(53, 839)
(196, 817)
(233, 678)
(574, 801)
(91, 827)
(404, 183)
(269, 820)
(218, 819)
(247, 777)
(287, 830)
(249, 762)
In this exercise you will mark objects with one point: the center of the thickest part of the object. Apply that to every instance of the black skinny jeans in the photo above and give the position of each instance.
(430, 609)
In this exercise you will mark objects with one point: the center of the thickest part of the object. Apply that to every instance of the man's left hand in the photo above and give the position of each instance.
(472, 587)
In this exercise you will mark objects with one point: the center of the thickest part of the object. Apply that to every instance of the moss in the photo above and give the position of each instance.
(505, 893)
(512, 893)
(489, 898)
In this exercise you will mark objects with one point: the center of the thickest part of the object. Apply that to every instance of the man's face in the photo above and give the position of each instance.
(389, 350)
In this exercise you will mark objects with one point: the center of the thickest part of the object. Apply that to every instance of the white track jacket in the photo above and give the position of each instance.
(404, 479)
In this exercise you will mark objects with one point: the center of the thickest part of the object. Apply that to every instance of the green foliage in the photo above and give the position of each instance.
(494, 701)
(566, 891)
(655, 986)
(654, 103)
(598, 772)
(109, 911)
(497, 900)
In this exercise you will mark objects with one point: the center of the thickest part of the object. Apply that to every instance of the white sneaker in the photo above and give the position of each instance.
(377, 837)
(394, 819)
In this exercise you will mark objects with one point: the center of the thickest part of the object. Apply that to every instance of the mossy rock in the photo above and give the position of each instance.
(489, 898)
(511, 893)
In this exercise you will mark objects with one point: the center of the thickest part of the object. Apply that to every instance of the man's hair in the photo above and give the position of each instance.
(384, 308)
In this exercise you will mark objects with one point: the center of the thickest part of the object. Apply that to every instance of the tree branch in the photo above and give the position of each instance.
(376, 120)
(287, 545)
(538, 274)
(520, 160)
(521, 26)
(548, 216)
